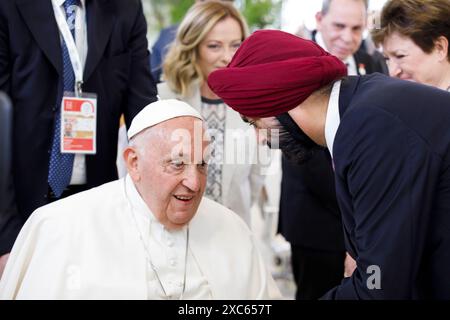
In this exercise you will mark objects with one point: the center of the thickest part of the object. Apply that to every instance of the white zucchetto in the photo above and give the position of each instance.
(158, 112)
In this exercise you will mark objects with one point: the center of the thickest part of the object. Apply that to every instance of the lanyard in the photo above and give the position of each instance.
(71, 48)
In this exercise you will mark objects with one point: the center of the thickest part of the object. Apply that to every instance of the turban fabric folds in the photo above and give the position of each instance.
(273, 72)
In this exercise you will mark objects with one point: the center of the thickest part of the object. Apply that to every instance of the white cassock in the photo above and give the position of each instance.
(97, 244)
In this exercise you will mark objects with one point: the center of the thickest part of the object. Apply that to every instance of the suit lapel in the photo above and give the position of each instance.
(100, 22)
(357, 59)
(40, 19)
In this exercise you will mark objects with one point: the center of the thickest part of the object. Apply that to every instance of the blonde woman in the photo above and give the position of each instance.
(206, 40)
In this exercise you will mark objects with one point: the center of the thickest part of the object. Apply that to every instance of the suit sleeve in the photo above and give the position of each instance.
(385, 168)
(10, 221)
(319, 177)
(142, 87)
(5, 67)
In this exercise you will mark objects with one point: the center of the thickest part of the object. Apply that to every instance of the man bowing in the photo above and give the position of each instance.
(390, 145)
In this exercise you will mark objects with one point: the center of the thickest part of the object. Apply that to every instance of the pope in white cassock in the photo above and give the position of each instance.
(150, 235)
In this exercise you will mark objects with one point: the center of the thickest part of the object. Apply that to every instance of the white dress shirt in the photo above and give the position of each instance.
(79, 163)
(333, 118)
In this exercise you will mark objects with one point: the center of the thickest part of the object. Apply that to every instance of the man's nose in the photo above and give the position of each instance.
(347, 35)
(192, 178)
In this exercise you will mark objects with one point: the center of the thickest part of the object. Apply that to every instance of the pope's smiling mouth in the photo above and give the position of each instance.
(184, 198)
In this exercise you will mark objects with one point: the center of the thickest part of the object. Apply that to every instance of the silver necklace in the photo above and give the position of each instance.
(147, 251)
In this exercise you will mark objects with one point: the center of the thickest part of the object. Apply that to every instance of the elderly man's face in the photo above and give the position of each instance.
(342, 27)
(171, 174)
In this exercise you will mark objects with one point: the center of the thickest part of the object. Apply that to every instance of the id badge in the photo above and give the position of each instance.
(79, 123)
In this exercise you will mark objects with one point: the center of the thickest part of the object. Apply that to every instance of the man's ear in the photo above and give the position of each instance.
(319, 18)
(130, 156)
(441, 48)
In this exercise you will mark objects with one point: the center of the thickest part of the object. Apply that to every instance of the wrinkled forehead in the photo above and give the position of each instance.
(182, 137)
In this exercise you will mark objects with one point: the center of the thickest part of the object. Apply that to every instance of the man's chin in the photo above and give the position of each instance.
(181, 217)
(342, 55)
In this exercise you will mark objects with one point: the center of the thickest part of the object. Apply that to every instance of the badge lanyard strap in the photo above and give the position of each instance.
(72, 49)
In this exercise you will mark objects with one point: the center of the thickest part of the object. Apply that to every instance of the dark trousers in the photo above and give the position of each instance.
(316, 272)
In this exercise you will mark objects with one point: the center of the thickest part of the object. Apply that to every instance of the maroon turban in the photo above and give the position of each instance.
(273, 72)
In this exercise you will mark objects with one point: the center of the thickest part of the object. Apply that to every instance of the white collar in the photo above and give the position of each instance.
(333, 118)
(136, 200)
(349, 61)
(351, 66)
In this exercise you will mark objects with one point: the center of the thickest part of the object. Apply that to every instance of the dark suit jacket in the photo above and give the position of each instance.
(8, 209)
(371, 63)
(362, 58)
(392, 165)
(309, 213)
(116, 70)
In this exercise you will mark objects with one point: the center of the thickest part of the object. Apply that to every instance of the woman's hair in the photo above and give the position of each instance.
(181, 66)
(423, 21)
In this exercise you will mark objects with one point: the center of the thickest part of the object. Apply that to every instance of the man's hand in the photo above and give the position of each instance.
(3, 260)
(349, 265)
